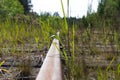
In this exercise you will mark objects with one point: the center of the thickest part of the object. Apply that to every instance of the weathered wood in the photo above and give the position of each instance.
(51, 68)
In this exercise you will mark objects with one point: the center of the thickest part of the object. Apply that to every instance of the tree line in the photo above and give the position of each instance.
(107, 15)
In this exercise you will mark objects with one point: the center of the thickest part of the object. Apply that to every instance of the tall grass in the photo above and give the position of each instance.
(70, 58)
(65, 20)
(83, 42)
(15, 35)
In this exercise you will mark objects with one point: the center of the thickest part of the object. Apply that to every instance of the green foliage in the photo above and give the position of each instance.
(26, 5)
(107, 15)
(24, 31)
(44, 16)
(9, 8)
(1, 63)
(101, 7)
(118, 69)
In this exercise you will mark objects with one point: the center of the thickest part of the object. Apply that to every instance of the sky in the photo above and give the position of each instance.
(77, 8)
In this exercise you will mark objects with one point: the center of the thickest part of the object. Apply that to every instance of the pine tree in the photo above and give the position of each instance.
(26, 5)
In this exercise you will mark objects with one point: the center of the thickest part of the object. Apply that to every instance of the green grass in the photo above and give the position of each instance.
(13, 34)
(77, 69)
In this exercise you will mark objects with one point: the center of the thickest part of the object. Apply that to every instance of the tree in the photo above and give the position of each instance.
(84, 22)
(108, 8)
(45, 15)
(56, 14)
(101, 7)
(9, 8)
(89, 11)
(26, 5)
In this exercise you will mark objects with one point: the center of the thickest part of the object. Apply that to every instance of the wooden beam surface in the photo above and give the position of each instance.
(51, 67)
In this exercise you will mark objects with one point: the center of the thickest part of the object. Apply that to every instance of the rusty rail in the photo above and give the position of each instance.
(51, 67)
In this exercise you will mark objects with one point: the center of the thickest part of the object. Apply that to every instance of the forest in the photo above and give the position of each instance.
(90, 45)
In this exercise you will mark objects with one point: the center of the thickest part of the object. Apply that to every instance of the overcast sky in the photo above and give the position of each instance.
(78, 8)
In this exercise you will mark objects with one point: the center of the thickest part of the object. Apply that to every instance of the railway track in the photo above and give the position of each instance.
(50, 67)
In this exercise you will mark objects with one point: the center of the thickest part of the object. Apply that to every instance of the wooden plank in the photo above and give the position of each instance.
(51, 67)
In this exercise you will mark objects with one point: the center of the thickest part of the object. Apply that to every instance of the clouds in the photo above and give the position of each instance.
(77, 7)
